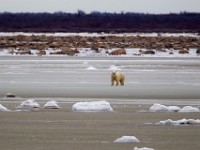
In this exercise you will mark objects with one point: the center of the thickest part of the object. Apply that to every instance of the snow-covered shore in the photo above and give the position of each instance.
(100, 44)
(88, 52)
(100, 34)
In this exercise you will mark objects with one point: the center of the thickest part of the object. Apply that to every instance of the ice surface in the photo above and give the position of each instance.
(52, 105)
(143, 148)
(93, 106)
(127, 139)
(55, 76)
(2, 108)
(30, 103)
(180, 122)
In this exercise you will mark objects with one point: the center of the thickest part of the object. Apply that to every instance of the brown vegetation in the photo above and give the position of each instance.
(69, 45)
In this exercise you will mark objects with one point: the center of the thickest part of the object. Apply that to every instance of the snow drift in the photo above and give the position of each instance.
(94, 106)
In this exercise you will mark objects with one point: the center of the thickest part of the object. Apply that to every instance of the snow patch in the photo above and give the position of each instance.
(94, 106)
(113, 68)
(51, 105)
(85, 63)
(91, 68)
(30, 103)
(127, 139)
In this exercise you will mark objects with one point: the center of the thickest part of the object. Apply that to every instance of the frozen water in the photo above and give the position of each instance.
(148, 80)
(127, 139)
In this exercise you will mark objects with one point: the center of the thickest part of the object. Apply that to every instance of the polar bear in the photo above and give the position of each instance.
(117, 76)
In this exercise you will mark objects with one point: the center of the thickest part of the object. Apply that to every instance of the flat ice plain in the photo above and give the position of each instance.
(149, 80)
(70, 77)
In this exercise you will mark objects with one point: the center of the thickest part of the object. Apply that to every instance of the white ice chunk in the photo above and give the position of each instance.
(143, 148)
(158, 108)
(30, 103)
(52, 105)
(3, 108)
(174, 108)
(180, 122)
(193, 121)
(127, 139)
(162, 108)
(189, 109)
(94, 106)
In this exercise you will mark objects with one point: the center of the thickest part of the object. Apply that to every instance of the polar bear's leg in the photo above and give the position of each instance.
(117, 82)
(122, 82)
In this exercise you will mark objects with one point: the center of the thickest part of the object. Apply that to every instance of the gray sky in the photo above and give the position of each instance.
(146, 6)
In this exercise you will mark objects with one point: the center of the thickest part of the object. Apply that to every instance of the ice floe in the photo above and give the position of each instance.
(162, 108)
(30, 103)
(127, 139)
(3, 108)
(180, 122)
(51, 105)
(143, 148)
(93, 106)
